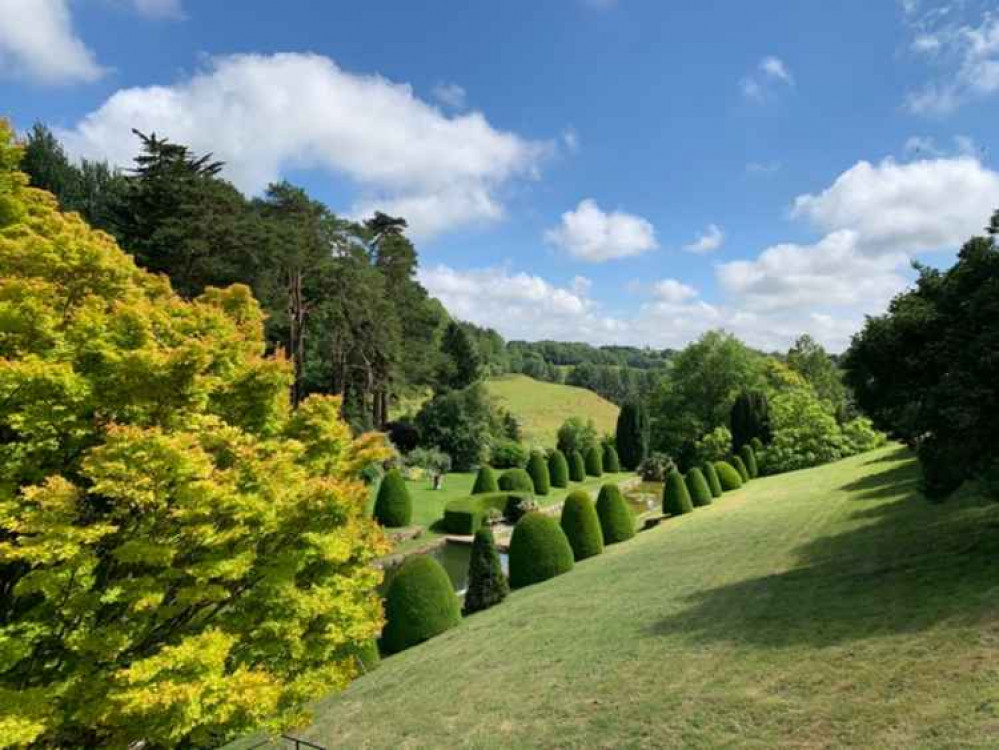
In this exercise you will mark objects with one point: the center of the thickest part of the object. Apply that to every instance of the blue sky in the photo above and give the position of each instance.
(600, 170)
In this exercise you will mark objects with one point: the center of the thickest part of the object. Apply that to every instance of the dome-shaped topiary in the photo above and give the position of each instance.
(749, 459)
(581, 525)
(393, 506)
(558, 469)
(728, 476)
(538, 550)
(594, 461)
(676, 499)
(616, 519)
(741, 468)
(485, 481)
(712, 476)
(697, 488)
(487, 586)
(537, 469)
(419, 604)
(577, 467)
(612, 464)
(516, 480)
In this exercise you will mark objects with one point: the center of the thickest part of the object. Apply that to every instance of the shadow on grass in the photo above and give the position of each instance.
(915, 565)
(899, 454)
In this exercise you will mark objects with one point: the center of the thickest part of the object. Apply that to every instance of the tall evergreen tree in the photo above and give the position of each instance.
(632, 435)
(460, 359)
(487, 586)
(750, 419)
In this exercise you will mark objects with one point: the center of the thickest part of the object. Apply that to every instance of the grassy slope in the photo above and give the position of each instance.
(826, 608)
(543, 407)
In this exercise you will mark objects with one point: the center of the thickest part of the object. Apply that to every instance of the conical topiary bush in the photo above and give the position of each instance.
(516, 480)
(676, 499)
(419, 604)
(558, 469)
(537, 468)
(749, 459)
(577, 467)
(616, 519)
(741, 468)
(594, 461)
(581, 526)
(612, 464)
(728, 476)
(393, 506)
(697, 488)
(712, 476)
(485, 481)
(538, 550)
(487, 586)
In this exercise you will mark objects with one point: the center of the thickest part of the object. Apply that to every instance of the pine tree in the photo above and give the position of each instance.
(632, 435)
(487, 586)
(461, 362)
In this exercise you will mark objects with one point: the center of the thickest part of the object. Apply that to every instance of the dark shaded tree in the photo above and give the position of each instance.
(750, 418)
(487, 586)
(632, 435)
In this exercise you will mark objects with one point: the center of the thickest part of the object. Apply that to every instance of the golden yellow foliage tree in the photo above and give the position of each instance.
(182, 557)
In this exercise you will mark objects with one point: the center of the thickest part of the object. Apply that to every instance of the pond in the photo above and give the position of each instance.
(454, 558)
(645, 497)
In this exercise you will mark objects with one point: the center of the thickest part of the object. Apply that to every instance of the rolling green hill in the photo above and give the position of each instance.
(832, 607)
(543, 407)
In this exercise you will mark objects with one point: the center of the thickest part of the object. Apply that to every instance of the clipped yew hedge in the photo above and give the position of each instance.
(516, 480)
(420, 603)
(581, 525)
(748, 456)
(487, 586)
(485, 481)
(538, 551)
(676, 499)
(712, 476)
(594, 461)
(577, 467)
(697, 488)
(466, 515)
(616, 518)
(728, 476)
(537, 469)
(393, 505)
(558, 469)
(741, 468)
(612, 464)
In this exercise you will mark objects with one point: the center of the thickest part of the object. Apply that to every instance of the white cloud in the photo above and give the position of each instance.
(673, 292)
(708, 241)
(593, 235)
(263, 114)
(450, 95)
(774, 67)
(38, 43)
(771, 72)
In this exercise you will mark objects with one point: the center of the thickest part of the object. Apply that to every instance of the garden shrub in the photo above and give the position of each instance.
(712, 476)
(805, 433)
(714, 446)
(508, 454)
(740, 467)
(487, 586)
(656, 467)
(420, 603)
(537, 468)
(756, 444)
(577, 467)
(617, 522)
(748, 457)
(576, 435)
(485, 481)
(393, 506)
(558, 469)
(582, 525)
(941, 463)
(466, 515)
(594, 461)
(611, 463)
(516, 480)
(517, 506)
(404, 435)
(728, 476)
(676, 499)
(697, 488)
(460, 423)
(860, 436)
(632, 435)
(538, 551)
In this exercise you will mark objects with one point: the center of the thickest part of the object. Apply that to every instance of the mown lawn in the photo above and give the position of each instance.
(827, 608)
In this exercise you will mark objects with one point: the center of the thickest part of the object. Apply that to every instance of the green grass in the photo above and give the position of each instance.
(833, 607)
(543, 407)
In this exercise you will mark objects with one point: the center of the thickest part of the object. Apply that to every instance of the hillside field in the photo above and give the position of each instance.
(543, 407)
(832, 607)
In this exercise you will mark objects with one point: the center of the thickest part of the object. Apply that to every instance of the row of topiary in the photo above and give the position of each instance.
(701, 485)
(421, 603)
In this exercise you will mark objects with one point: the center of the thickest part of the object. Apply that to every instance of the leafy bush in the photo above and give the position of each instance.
(517, 506)
(748, 457)
(460, 423)
(508, 454)
(485, 481)
(750, 418)
(404, 435)
(757, 445)
(434, 462)
(860, 436)
(537, 468)
(538, 551)
(714, 446)
(581, 525)
(697, 488)
(576, 435)
(676, 499)
(466, 515)
(420, 603)
(617, 522)
(740, 467)
(611, 463)
(594, 461)
(728, 476)
(713, 482)
(558, 469)
(487, 586)
(393, 506)
(805, 433)
(516, 480)
(577, 467)
(656, 467)
(632, 435)
(941, 463)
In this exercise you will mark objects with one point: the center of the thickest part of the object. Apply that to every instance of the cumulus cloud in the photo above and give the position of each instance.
(38, 43)
(672, 291)
(264, 114)
(770, 73)
(450, 95)
(592, 234)
(708, 241)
